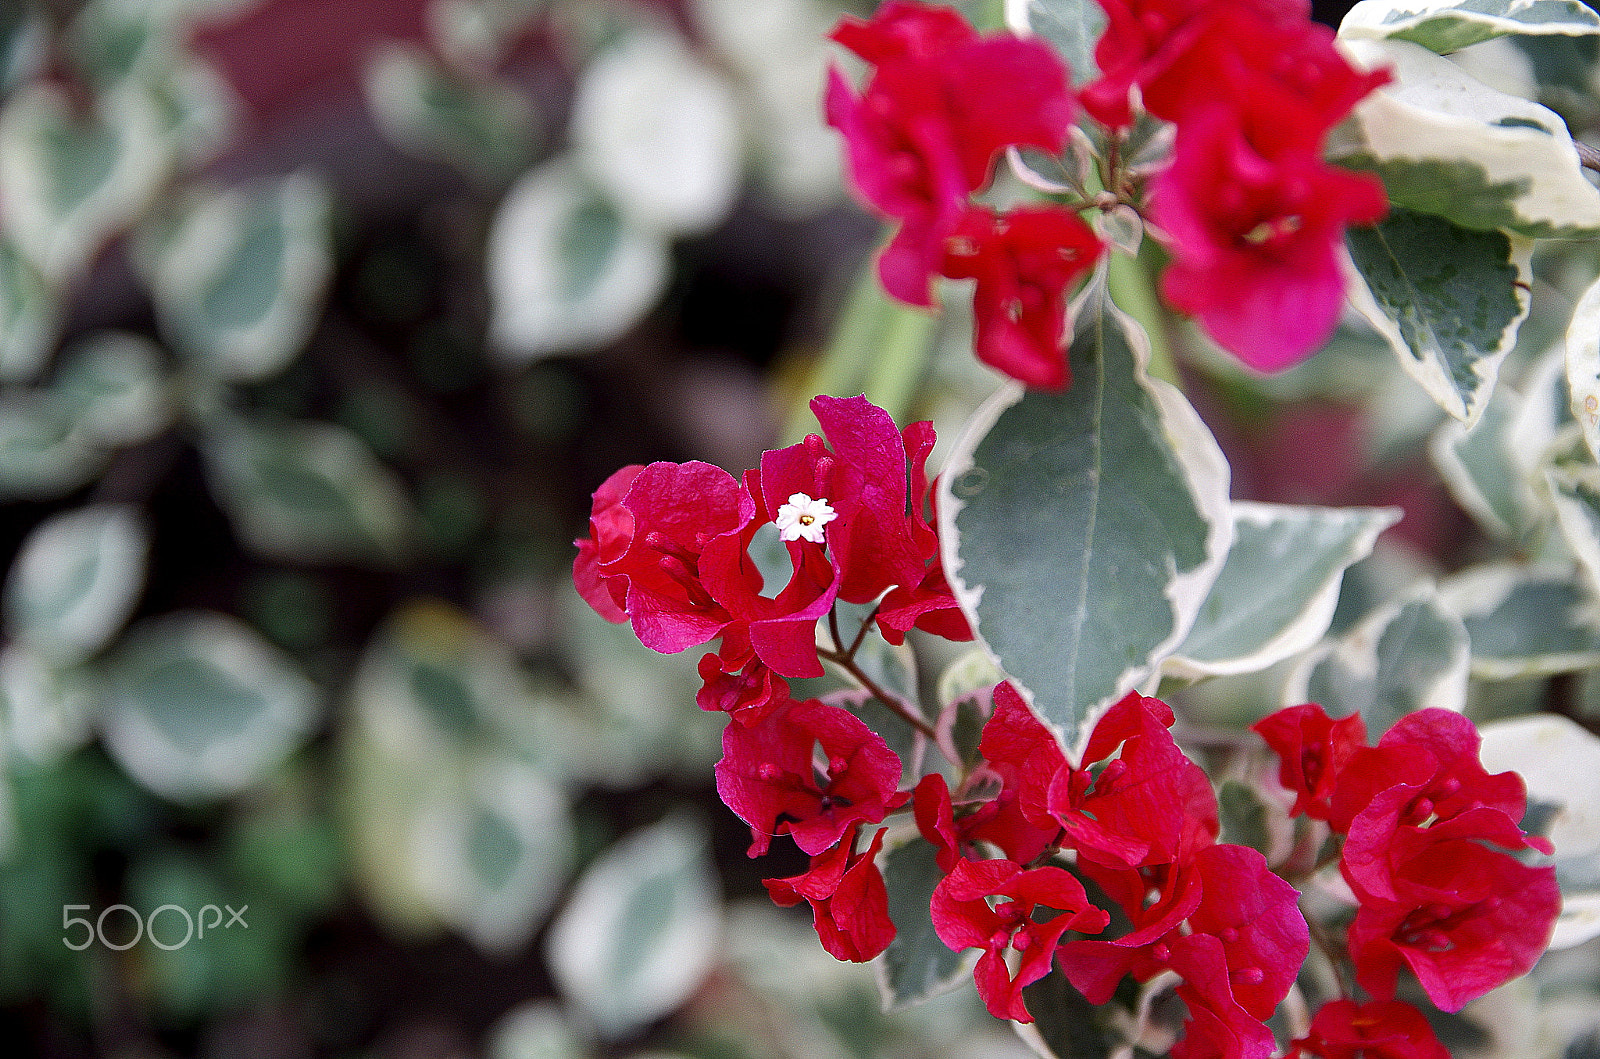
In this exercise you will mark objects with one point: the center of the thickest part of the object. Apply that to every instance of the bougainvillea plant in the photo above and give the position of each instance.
(1034, 817)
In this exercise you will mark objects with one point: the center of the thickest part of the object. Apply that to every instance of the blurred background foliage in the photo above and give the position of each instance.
(320, 320)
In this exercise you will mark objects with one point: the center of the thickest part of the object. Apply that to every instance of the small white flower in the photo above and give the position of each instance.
(803, 517)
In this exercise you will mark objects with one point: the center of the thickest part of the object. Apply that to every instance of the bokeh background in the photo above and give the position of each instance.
(320, 320)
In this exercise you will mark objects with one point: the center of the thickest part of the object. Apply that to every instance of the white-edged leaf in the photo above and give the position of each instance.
(1249, 622)
(658, 131)
(535, 1029)
(46, 712)
(1082, 530)
(917, 965)
(238, 277)
(306, 491)
(42, 452)
(1072, 27)
(69, 183)
(29, 317)
(1449, 25)
(1583, 366)
(116, 386)
(1449, 300)
(1575, 495)
(199, 706)
(76, 580)
(1525, 621)
(1407, 655)
(1449, 145)
(1482, 472)
(641, 928)
(483, 126)
(566, 271)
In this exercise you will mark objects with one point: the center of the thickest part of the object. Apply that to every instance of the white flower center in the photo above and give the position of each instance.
(802, 518)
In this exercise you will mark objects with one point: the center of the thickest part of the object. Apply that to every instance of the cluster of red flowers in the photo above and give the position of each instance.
(1429, 838)
(1427, 831)
(1252, 215)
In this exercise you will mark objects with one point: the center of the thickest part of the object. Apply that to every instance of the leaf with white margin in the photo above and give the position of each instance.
(534, 1029)
(1082, 530)
(658, 131)
(1407, 655)
(493, 860)
(306, 491)
(76, 580)
(1450, 25)
(1525, 622)
(1249, 623)
(1072, 27)
(199, 706)
(1483, 475)
(1559, 762)
(70, 183)
(917, 965)
(42, 453)
(46, 712)
(29, 317)
(1583, 366)
(1575, 495)
(566, 271)
(116, 386)
(481, 125)
(1449, 145)
(238, 277)
(641, 929)
(1449, 300)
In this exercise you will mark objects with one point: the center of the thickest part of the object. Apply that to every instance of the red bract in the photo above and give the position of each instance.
(1313, 750)
(964, 919)
(1147, 805)
(747, 695)
(770, 776)
(923, 134)
(1465, 918)
(1024, 262)
(1379, 1029)
(849, 904)
(643, 557)
(1257, 239)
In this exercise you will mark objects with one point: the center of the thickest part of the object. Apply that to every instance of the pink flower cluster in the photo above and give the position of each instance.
(1429, 838)
(1253, 218)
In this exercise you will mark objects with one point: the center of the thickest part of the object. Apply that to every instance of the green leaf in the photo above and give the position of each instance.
(1583, 366)
(1404, 656)
(566, 271)
(199, 706)
(1448, 300)
(1449, 25)
(482, 126)
(1479, 466)
(1083, 529)
(916, 965)
(238, 277)
(1525, 621)
(71, 182)
(1449, 145)
(29, 317)
(116, 388)
(1066, 1025)
(76, 580)
(1575, 495)
(641, 928)
(46, 711)
(1246, 624)
(42, 453)
(1072, 27)
(306, 492)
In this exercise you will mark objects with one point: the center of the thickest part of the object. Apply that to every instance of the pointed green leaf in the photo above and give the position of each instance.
(1484, 477)
(1448, 300)
(1072, 27)
(1449, 25)
(1525, 622)
(641, 928)
(306, 492)
(76, 580)
(238, 279)
(566, 272)
(199, 706)
(1248, 623)
(1406, 655)
(1083, 529)
(1447, 144)
(916, 965)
